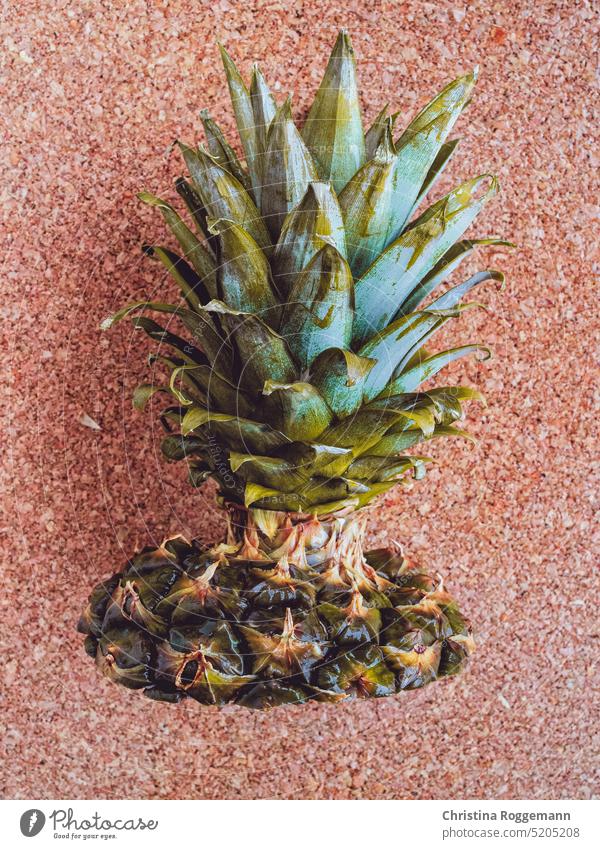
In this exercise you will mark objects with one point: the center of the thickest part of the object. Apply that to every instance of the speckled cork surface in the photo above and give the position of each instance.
(95, 93)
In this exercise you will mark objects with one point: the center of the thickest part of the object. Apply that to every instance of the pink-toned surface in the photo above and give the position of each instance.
(96, 94)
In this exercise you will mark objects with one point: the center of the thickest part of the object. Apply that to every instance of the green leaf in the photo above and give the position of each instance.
(316, 220)
(203, 329)
(191, 286)
(444, 155)
(419, 145)
(412, 408)
(271, 499)
(224, 196)
(244, 277)
(396, 344)
(143, 393)
(198, 416)
(157, 306)
(270, 472)
(396, 443)
(287, 170)
(263, 353)
(450, 298)
(195, 206)
(373, 468)
(359, 432)
(442, 269)
(447, 401)
(263, 107)
(331, 508)
(366, 204)
(176, 447)
(375, 490)
(333, 130)
(244, 117)
(247, 436)
(192, 392)
(384, 287)
(311, 457)
(449, 430)
(319, 312)
(194, 251)
(323, 490)
(376, 131)
(199, 325)
(227, 397)
(221, 150)
(411, 379)
(185, 349)
(339, 375)
(296, 409)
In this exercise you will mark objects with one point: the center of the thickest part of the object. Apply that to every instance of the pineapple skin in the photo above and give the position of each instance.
(278, 614)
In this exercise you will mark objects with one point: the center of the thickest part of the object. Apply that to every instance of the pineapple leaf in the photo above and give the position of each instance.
(272, 499)
(223, 196)
(191, 286)
(375, 133)
(185, 350)
(287, 170)
(409, 407)
(221, 150)
(244, 278)
(271, 472)
(195, 207)
(366, 204)
(444, 155)
(263, 353)
(319, 490)
(315, 221)
(374, 469)
(318, 314)
(263, 107)
(333, 130)
(419, 145)
(339, 375)
(244, 117)
(196, 417)
(450, 298)
(411, 379)
(384, 287)
(392, 348)
(143, 393)
(227, 397)
(396, 443)
(442, 269)
(194, 251)
(297, 409)
(157, 306)
(450, 430)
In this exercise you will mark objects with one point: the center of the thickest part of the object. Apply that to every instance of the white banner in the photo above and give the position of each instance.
(300, 824)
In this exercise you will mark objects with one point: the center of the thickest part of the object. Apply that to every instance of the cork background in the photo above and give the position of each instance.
(94, 93)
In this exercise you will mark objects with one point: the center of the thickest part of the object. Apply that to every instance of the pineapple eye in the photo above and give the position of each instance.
(188, 673)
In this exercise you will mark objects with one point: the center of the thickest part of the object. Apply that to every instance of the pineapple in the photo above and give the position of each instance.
(307, 287)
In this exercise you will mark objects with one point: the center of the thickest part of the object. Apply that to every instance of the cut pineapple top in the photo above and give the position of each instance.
(307, 283)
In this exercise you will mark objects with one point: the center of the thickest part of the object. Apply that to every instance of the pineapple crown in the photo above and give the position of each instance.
(304, 273)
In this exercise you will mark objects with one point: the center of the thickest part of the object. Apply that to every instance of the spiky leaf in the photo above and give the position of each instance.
(382, 289)
(333, 130)
(319, 311)
(316, 220)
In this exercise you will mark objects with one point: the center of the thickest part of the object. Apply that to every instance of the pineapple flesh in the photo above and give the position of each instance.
(307, 289)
